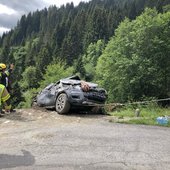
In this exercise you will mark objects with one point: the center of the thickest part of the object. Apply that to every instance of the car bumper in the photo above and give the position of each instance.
(76, 98)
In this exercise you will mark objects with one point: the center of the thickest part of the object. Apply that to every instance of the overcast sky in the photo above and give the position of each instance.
(12, 10)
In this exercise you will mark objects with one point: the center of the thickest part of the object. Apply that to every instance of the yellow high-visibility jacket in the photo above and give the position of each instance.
(4, 96)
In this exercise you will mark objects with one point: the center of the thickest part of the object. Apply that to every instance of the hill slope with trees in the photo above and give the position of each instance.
(114, 36)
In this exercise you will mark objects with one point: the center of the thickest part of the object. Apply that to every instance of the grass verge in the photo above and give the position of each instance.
(147, 115)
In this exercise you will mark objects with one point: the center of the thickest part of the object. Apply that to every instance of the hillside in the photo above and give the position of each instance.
(64, 36)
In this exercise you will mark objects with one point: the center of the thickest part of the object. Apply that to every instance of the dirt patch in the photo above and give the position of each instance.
(40, 116)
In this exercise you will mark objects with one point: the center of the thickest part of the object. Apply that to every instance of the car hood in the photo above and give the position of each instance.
(76, 82)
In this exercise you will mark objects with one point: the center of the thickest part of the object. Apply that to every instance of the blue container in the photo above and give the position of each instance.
(162, 120)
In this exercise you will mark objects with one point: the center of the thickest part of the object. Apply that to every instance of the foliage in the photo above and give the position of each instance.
(29, 78)
(28, 98)
(55, 72)
(89, 60)
(136, 61)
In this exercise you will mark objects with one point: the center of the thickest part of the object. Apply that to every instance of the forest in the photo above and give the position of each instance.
(123, 45)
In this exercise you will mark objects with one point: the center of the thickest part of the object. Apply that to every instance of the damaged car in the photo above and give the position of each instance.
(71, 93)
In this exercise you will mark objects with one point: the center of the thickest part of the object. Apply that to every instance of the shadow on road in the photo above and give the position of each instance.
(11, 161)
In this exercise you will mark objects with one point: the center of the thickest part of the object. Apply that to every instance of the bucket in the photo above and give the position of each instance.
(162, 120)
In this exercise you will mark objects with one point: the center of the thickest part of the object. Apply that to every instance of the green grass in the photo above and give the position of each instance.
(148, 115)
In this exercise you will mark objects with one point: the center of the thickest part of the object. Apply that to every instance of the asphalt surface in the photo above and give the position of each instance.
(41, 140)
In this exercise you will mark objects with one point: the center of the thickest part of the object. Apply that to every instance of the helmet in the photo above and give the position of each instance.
(2, 66)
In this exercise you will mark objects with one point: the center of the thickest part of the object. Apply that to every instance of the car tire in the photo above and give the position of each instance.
(62, 104)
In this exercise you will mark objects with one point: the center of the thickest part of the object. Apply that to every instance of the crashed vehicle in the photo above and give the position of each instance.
(68, 93)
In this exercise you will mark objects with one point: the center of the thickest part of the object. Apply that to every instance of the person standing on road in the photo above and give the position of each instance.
(4, 99)
(5, 75)
(5, 81)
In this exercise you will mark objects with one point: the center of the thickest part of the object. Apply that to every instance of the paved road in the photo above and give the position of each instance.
(33, 139)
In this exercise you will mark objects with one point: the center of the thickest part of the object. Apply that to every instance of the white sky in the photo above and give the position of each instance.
(6, 10)
(61, 2)
(12, 10)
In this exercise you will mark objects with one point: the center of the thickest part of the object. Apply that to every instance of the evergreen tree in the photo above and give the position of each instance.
(65, 34)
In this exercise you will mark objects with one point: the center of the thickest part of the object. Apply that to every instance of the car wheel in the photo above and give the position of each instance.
(62, 105)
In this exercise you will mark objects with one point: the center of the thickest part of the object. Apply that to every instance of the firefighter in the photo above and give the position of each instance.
(5, 74)
(4, 99)
(4, 80)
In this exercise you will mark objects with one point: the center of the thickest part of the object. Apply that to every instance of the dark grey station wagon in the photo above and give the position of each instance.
(68, 93)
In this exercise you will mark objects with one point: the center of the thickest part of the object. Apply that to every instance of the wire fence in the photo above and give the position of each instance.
(140, 102)
(111, 106)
